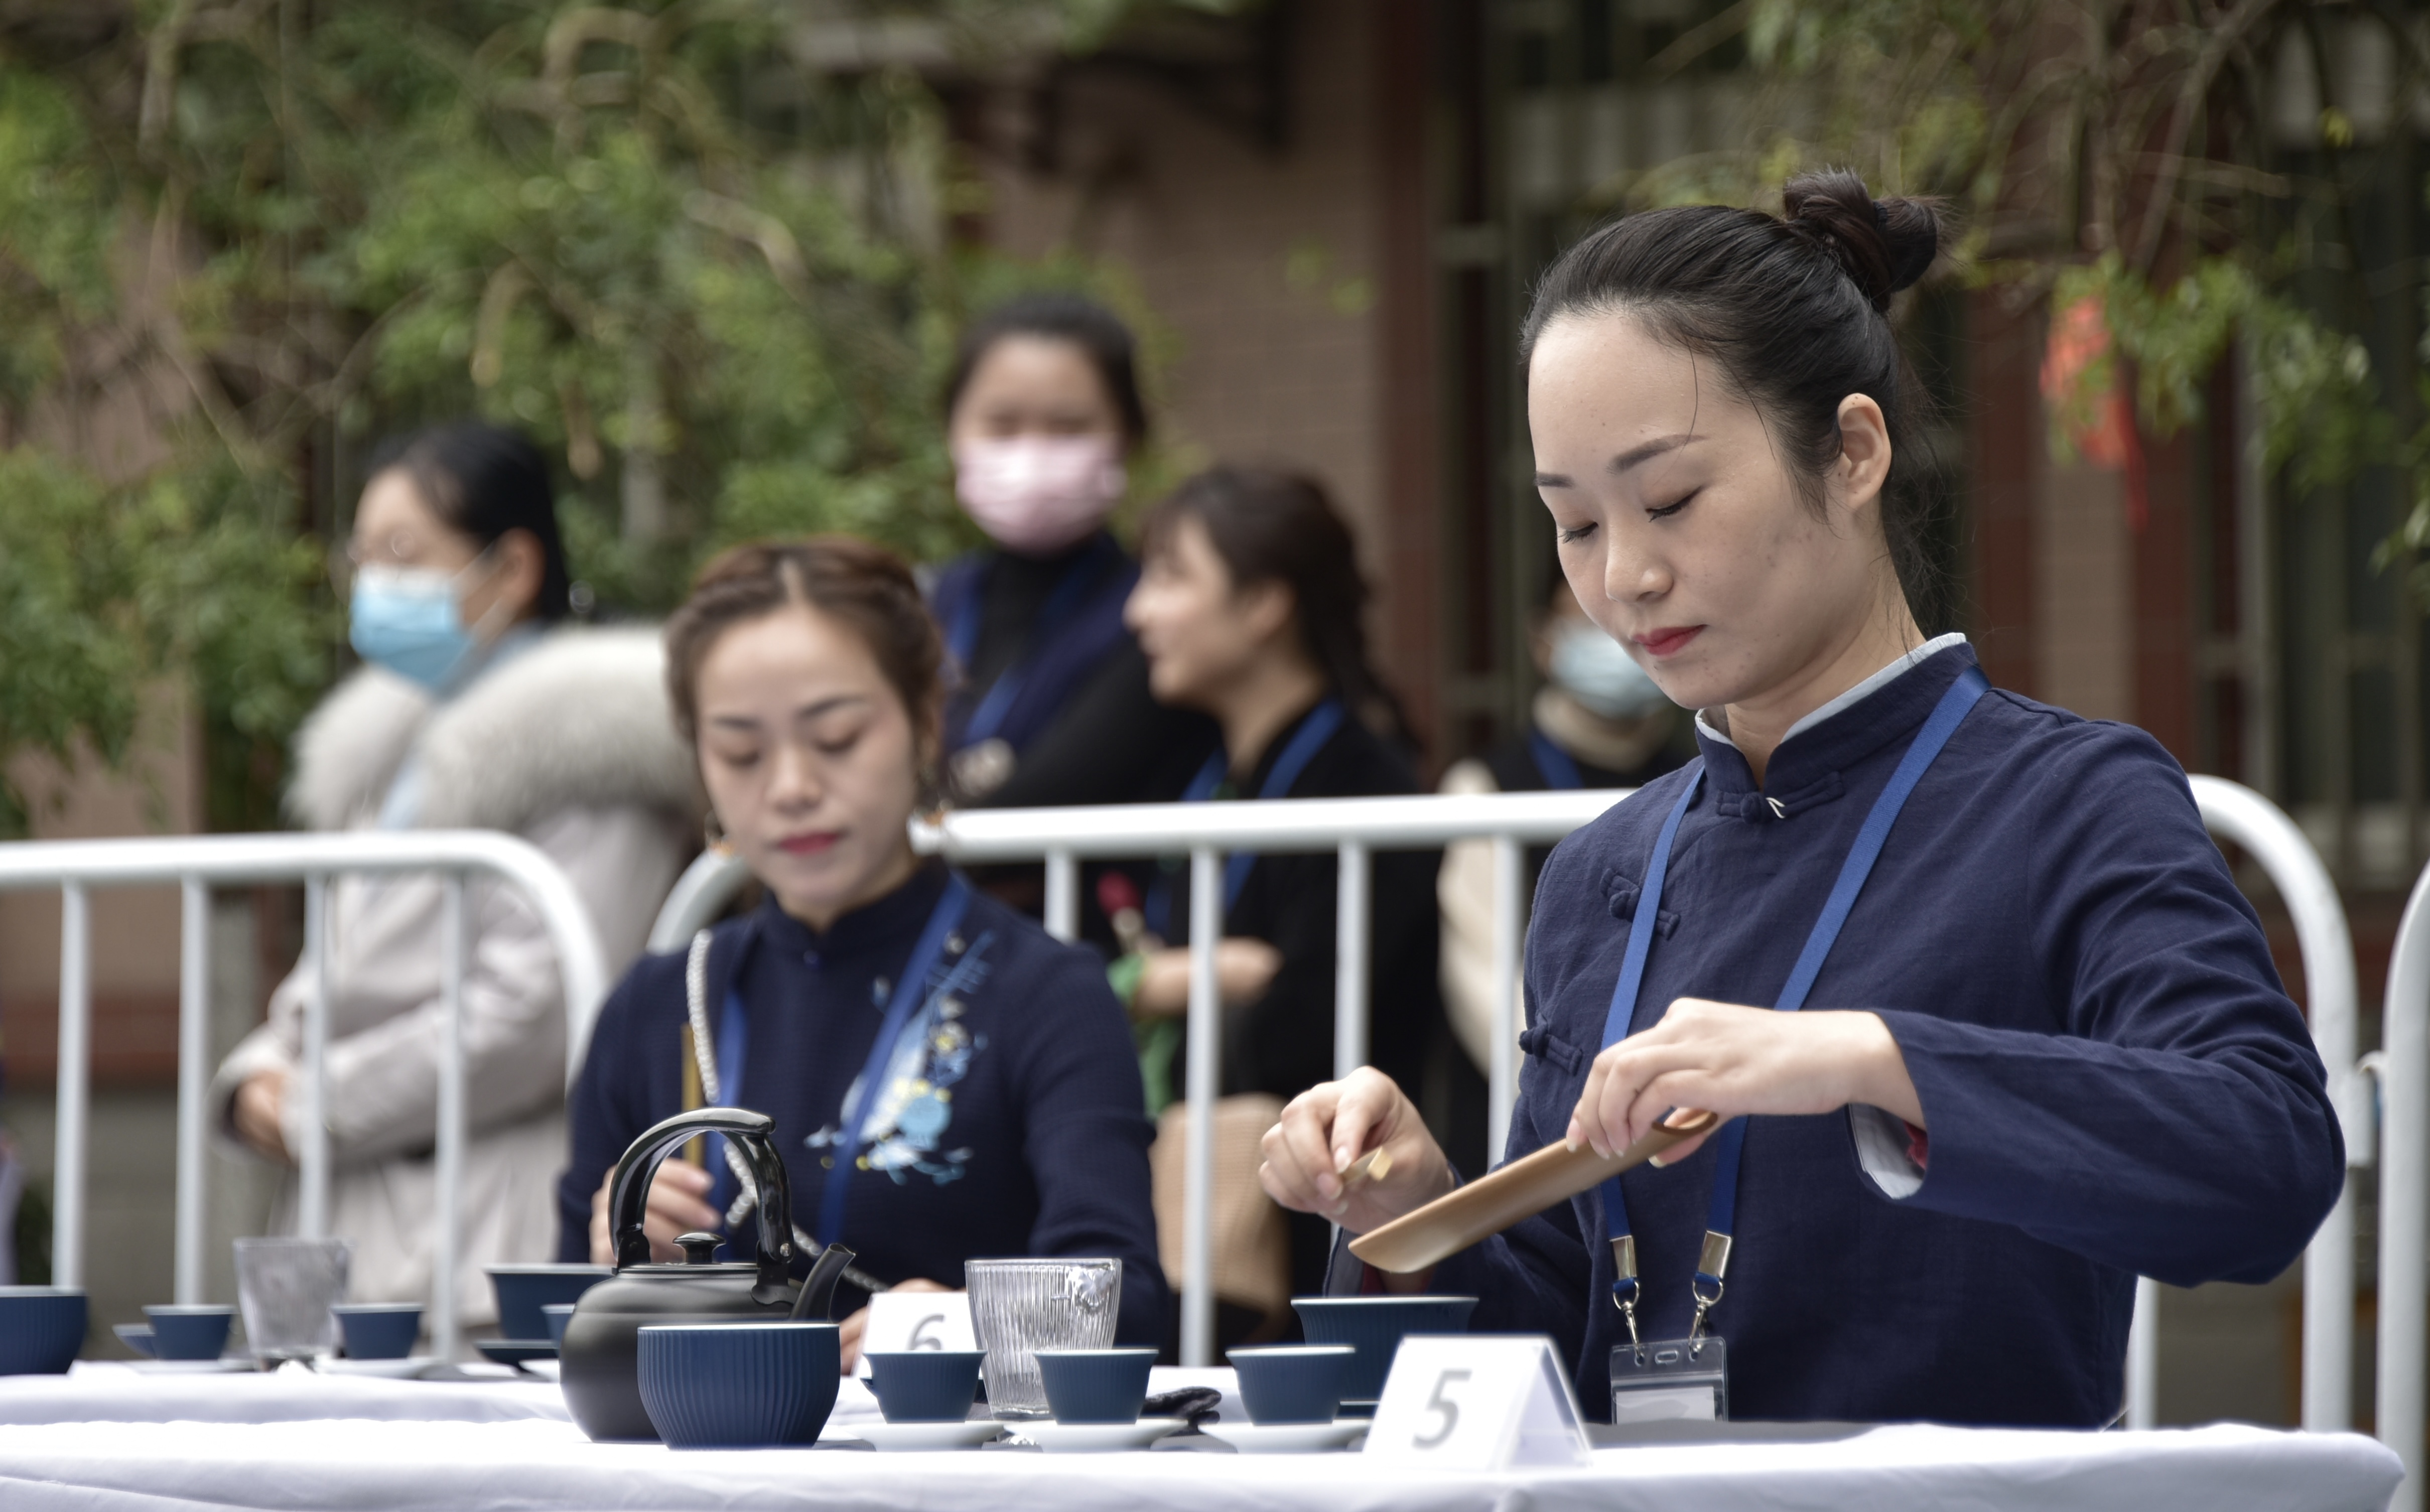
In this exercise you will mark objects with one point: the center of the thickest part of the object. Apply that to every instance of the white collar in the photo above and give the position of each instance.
(1898, 668)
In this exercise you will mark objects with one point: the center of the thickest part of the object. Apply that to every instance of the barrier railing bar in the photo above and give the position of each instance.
(1205, 1034)
(2404, 1170)
(2143, 1356)
(1298, 824)
(75, 1088)
(1062, 895)
(450, 1132)
(1353, 898)
(193, 1083)
(312, 1161)
(2242, 817)
(1502, 1089)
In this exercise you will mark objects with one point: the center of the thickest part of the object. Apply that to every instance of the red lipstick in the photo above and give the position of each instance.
(810, 844)
(1668, 641)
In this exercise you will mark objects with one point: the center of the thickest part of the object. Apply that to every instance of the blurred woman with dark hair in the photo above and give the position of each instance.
(1050, 706)
(1250, 608)
(477, 708)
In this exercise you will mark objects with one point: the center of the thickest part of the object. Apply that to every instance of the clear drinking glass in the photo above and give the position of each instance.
(286, 1288)
(1019, 1307)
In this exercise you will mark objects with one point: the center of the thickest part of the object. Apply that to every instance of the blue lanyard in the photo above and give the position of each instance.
(1061, 604)
(1730, 1144)
(1560, 770)
(910, 993)
(1305, 743)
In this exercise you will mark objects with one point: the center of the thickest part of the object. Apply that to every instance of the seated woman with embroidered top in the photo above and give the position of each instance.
(1988, 1028)
(1003, 1116)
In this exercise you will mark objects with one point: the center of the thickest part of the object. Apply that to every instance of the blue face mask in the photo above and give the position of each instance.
(1591, 667)
(406, 620)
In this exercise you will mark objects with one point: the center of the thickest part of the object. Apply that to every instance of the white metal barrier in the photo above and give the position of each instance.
(2404, 1069)
(194, 864)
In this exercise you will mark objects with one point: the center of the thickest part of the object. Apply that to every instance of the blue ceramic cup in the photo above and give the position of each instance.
(523, 1291)
(1293, 1382)
(1096, 1385)
(190, 1333)
(926, 1385)
(558, 1314)
(137, 1336)
(740, 1386)
(379, 1330)
(41, 1329)
(1373, 1326)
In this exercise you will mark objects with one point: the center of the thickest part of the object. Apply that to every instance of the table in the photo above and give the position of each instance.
(107, 1391)
(539, 1466)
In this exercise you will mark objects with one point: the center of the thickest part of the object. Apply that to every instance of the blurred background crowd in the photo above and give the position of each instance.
(552, 303)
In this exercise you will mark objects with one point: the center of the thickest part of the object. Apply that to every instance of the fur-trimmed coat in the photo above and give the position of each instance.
(567, 744)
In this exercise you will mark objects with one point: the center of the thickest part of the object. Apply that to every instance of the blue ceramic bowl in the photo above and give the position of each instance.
(558, 1314)
(523, 1290)
(190, 1333)
(1293, 1382)
(740, 1386)
(1373, 1326)
(379, 1330)
(1096, 1385)
(926, 1385)
(41, 1329)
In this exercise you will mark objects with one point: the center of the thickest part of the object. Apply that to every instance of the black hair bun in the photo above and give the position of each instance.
(1885, 245)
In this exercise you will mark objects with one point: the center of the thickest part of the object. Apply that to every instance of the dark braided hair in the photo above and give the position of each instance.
(1794, 310)
(1272, 525)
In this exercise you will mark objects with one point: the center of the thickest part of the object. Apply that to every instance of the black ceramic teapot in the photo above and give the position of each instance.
(599, 1364)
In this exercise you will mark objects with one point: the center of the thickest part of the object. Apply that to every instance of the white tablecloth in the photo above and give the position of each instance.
(538, 1466)
(108, 1392)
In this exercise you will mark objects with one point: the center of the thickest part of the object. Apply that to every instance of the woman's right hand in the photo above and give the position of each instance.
(1326, 1127)
(679, 1204)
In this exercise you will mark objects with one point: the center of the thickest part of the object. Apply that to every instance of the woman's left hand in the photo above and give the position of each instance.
(258, 1113)
(1732, 1060)
(857, 1325)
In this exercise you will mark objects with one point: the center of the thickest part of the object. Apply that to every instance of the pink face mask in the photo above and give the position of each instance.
(1038, 494)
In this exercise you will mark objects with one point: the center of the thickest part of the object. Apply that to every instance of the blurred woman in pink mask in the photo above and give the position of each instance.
(1043, 414)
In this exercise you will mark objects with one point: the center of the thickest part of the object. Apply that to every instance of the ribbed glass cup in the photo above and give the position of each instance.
(286, 1288)
(1019, 1307)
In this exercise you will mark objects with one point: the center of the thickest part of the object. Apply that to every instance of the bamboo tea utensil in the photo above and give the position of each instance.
(1520, 1190)
(1375, 1165)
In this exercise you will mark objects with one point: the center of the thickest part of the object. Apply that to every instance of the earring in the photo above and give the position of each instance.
(713, 832)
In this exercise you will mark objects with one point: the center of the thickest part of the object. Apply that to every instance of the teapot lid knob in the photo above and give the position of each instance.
(699, 1248)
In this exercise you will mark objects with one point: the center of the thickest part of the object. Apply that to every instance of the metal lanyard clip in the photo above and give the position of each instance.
(1712, 1263)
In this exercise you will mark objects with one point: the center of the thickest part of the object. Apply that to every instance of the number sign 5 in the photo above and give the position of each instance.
(1462, 1403)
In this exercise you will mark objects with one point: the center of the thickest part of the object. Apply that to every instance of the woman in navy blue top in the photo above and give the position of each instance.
(2042, 1050)
(1002, 1114)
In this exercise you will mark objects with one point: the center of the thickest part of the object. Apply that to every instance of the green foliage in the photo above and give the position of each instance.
(711, 278)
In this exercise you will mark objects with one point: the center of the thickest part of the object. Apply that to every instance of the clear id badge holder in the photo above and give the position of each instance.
(1672, 1380)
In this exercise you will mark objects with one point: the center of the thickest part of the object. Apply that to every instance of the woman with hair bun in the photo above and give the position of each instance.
(2042, 1050)
(948, 1083)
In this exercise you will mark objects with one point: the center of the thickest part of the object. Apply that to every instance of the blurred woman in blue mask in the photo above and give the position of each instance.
(477, 707)
(1598, 721)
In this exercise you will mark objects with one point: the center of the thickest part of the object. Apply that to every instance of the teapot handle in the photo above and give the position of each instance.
(628, 1194)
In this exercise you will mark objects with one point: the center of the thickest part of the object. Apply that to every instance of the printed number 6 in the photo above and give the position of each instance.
(921, 1339)
(1449, 1411)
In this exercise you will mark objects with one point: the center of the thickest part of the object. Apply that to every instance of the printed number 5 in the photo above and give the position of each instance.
(1447, 1409)
(921, 1339)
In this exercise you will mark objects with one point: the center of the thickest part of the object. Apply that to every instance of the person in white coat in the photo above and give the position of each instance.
(477, 709)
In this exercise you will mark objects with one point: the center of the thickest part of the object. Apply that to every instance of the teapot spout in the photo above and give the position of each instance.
(816, 1302)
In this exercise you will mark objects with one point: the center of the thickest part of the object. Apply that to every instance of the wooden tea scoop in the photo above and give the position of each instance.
(1520, 1190)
